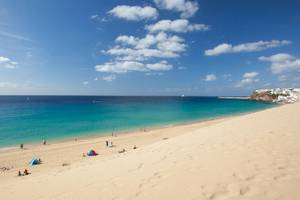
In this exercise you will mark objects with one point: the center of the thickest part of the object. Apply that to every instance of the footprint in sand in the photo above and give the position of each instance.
(151, 180)
(250, 178)
(218, 194)
(244, 190)
(136, 169)
(280, 176)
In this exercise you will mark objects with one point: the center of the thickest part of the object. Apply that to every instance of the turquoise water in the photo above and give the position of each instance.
(30, 119)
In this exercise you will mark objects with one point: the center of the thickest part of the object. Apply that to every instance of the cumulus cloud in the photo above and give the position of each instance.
(109, 78)
(282, 62)
(187, 7)
(134, 13)
(178, 25)
(246, 47)
(160, 66)
(250, 75)
(210, 77)
(248, 78)
(120, 67)
(158, 45)
(7, 63)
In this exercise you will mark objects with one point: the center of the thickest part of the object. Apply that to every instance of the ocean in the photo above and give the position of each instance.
(29, 119)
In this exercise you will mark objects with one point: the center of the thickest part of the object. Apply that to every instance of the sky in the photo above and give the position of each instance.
(153, 47)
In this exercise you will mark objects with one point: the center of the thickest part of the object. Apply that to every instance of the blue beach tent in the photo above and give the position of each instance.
(34, 161)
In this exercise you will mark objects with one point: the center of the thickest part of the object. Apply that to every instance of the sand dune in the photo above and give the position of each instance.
(254, 156)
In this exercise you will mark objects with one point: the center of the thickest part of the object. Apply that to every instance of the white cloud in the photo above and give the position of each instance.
(246, 47)
(129, 66)
(136, 54)
(227, 77)
(160, 45)
(14, 36)
(280, 57)
(8, 85)
(187, 7)
(248, 78)
(134, 13)
(282, 62)
(178, 25)
(109, 78)
(85, 82)
(210, 77)
(7, 63)
(125, 39)
(250, 75)
(154, 74)
(160, 66)
(282, 77)
(120, 67)
(181, 68)
(95, 16)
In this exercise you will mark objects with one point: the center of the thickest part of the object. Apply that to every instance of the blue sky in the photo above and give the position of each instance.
(155, 47)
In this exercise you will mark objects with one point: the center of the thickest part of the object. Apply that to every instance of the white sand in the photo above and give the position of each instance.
(254, 156)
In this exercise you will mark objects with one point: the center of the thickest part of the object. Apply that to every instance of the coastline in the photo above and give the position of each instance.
(133, 131)
(70, 151)
(239, 157)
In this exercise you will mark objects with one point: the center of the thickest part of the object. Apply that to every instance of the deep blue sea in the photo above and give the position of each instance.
(29, 119)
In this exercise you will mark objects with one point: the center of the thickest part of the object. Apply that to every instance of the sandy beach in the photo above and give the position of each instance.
(253, 156)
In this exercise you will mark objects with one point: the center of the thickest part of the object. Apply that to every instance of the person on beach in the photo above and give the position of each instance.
(106, 142)
(19, 173)
(26, 172)
(44, 142)
(111, 145)
(21, 146)
(122, 151)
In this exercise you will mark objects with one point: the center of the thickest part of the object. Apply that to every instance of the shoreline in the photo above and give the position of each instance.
(18, 159)
(99, 135)
(249, 156)
(62, 141)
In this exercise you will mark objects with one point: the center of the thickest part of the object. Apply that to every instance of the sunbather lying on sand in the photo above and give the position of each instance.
(24, 174)
(122, 151)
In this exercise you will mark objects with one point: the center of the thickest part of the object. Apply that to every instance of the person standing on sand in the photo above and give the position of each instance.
(106, 142)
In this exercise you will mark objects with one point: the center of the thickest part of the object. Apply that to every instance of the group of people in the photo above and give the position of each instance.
(25, 173)
(44, 142)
